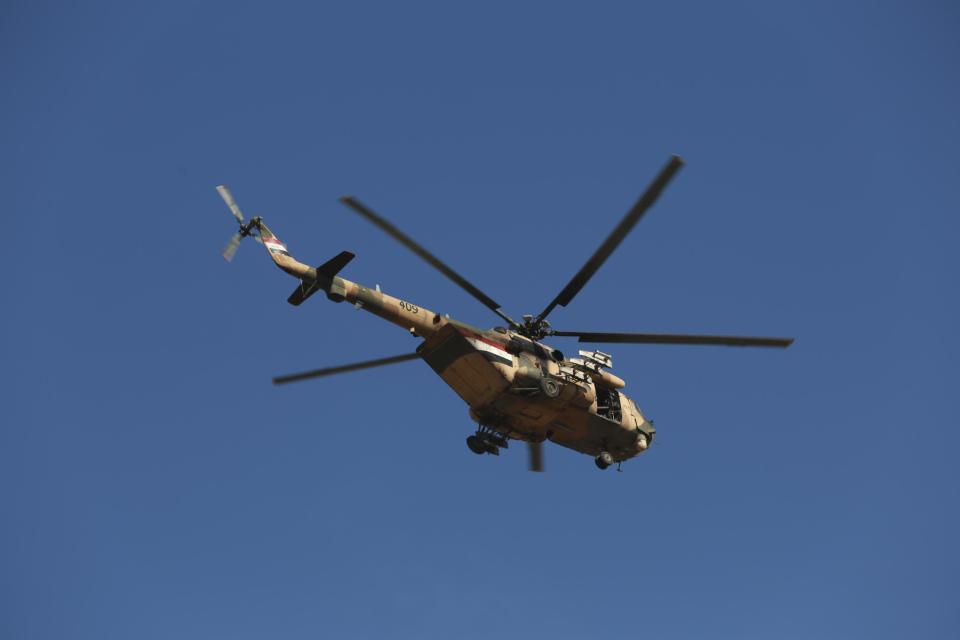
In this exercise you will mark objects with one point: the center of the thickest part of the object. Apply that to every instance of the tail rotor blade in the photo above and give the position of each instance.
(231, 248)
(228, 198)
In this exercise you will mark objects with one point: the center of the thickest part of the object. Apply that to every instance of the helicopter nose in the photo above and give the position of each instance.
(642, 442)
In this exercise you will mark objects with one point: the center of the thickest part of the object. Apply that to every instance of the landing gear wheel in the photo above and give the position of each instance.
(604, 460)
(550, 387)
(476, 445)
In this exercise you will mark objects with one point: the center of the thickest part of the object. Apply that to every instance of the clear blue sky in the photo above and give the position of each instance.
(154, 484)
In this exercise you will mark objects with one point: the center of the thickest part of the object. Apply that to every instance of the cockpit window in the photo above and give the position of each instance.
(499, 329)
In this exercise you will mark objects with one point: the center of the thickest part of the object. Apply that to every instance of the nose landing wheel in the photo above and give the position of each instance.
(603, 460)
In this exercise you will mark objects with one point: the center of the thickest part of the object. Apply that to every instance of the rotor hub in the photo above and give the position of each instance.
(534, 328)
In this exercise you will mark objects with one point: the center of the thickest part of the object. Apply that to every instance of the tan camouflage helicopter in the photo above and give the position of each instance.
(517, 387)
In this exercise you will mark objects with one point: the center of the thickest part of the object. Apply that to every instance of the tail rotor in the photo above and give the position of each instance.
(251, 228)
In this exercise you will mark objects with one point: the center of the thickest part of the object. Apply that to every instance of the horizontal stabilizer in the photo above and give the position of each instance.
(333, 266)
(303, 291)
(325, 273)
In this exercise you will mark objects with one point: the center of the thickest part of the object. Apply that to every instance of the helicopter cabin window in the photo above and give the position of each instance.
(500, 329)
(608, 404)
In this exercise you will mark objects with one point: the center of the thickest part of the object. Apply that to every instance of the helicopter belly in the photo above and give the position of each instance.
(477, 369)
(599, 434)
(566, 421)
(486, 377)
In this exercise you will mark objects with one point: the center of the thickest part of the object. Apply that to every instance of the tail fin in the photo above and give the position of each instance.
(279, 253)
(271, 242)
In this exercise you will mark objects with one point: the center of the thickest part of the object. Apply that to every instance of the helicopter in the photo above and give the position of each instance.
(516, 386)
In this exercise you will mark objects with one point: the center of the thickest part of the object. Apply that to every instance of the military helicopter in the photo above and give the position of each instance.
(516, 386)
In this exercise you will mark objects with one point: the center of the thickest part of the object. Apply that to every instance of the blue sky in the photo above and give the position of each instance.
(154, 484)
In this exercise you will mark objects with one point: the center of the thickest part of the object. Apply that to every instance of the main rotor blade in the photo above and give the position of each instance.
(228, 198)
(329, 371)
(431, 259)
(677, 338)
(616, 236)
(536, 455)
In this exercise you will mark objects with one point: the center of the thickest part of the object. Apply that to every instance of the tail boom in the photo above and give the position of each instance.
(413, 318)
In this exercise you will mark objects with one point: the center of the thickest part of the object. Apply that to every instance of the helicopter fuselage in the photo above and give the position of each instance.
(517, 387)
